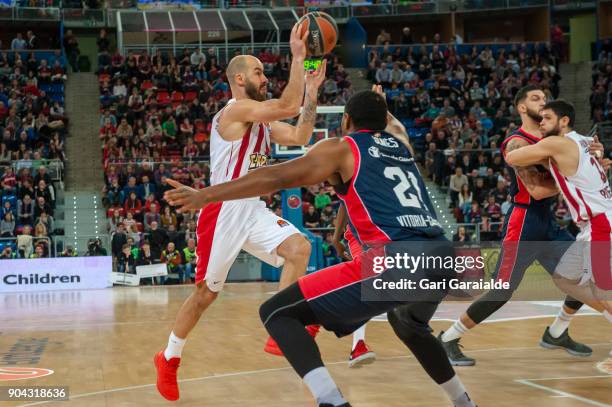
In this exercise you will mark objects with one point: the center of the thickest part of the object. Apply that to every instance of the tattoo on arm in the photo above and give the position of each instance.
(529, 174)
(309, 113)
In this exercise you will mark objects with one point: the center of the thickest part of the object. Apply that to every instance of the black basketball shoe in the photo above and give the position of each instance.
(453, 351)
(565, 342)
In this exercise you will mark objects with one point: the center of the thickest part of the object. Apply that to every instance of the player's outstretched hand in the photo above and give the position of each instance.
(596, 148)
(184, 197)
(379, 89)
(314, 79)
(297, 43)
(341, 250)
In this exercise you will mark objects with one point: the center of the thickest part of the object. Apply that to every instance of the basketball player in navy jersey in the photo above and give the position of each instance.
(376, 176)
(530, 218)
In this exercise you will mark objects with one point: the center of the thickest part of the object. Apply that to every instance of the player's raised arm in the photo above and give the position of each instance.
(394, 126)
(326, 158)
(299, 135)
(244, 72)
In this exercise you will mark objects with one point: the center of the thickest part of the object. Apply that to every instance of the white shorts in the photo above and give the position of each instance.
(587, 263)
(226, 228)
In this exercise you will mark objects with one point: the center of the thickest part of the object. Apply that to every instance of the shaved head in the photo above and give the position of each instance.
(240, 64)
(245, 74)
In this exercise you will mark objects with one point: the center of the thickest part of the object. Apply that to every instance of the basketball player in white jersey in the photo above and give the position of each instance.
(240, 141)
(585, 270)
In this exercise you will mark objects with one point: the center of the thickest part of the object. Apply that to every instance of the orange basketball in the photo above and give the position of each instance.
(323, 33)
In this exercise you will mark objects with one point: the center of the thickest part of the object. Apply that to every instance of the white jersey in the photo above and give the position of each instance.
(587, 192)
(232, 159)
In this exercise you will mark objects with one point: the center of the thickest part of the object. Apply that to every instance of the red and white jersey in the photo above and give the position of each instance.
(587, 192)
(232, 159)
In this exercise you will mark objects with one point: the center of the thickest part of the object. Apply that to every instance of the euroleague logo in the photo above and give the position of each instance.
(21, 373)
(294, 201)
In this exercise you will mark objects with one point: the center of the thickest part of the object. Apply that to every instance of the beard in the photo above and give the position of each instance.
(533, 115)
(555, 131)
(254, 92)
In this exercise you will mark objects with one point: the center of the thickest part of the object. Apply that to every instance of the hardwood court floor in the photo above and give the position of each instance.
(101, 344)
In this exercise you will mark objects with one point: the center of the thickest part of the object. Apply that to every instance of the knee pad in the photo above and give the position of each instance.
(572, 303)
(484, 307)
(405, 326)
(266, 309)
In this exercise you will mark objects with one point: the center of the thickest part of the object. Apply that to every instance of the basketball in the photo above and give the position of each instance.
(323, 33)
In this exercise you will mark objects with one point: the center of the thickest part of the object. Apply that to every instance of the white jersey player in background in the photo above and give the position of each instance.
(240, 141)
(585, 270)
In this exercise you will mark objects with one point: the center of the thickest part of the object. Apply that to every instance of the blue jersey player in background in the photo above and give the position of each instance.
(375, 174)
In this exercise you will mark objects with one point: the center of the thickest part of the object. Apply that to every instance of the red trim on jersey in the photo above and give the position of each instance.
(522, 196)
(260, 137)
(588, 208)
(535, 139)
(246, 139)
(339, 276)
(367, 230)
(207, 223)
(566, 192)
(511, 243)
(354, 247)
(601, 261)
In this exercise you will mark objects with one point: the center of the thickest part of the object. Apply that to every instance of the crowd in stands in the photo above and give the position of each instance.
(155, 123)
(33, 127)
(601, 96)
(458, 109)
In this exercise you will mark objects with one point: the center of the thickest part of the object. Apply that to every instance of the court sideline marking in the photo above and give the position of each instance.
(279, 369)
(559, 393)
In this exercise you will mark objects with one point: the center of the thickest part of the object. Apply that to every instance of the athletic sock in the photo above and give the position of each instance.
(454, 332)
(607, 315)
(456, 392)
(561, 324)
(358, 335)
(175, 347)
(323, 387)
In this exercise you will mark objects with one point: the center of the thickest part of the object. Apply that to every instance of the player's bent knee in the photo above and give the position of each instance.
(204, 296)
(295, 247)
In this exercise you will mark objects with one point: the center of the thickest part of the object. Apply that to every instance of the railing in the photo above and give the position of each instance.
(30, 14)
(6, 241)
(55, 168)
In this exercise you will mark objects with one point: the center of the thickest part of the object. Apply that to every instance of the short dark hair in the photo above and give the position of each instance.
(562, 109)
(367, 110)
(522, 93)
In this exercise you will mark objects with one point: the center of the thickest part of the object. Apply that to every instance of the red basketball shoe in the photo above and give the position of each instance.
(273, 349)
(361, 355)
(166, 376)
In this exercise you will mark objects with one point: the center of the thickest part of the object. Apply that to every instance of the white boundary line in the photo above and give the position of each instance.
(560, 393)
(279, 369)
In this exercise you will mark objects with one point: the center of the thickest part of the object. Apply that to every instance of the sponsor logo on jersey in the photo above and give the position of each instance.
(257, 160)
(388, 142)
(20, 373)
(376, 153)
(282, 223)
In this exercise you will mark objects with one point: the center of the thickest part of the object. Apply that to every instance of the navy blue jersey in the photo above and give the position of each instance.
(386, 199)
(518, 191)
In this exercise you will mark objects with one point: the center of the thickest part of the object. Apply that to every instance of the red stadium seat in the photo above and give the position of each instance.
(163, 98)
(177, 96)
(190, 95)
(147, 85)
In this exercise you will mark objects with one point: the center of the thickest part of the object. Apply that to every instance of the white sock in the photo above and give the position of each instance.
(561, 324)
(323, 387)
(456, 392)
(607, 315)
(358, 335)
(175, 347)
(454, 332)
